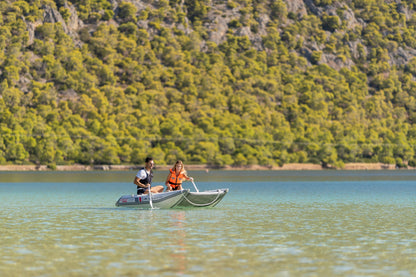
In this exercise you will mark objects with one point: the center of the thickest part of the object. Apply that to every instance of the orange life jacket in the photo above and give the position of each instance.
(176, 180)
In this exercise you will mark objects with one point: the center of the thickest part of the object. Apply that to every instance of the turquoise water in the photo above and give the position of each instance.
(271, 223)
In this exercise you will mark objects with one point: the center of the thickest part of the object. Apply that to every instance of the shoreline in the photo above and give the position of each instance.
(295, 166)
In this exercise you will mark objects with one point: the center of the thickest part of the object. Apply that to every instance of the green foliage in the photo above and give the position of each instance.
(65, 13)
(127, 12)
(138, 81)
(316, 57)
(330, 23)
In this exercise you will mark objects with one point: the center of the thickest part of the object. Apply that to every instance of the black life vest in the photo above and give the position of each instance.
(145, 181)
(148, 179)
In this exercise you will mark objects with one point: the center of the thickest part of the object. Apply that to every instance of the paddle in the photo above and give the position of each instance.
(150, 198)
(195, 186)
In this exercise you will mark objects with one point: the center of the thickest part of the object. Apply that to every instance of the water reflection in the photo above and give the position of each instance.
(178, 241)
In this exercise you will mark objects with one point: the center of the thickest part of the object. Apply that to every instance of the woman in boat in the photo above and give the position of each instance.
(176, 176)
(143, 179)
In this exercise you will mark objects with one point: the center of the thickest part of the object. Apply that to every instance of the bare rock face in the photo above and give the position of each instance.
(404, 9)
(402, 56)
(312, 8)
(74, 23)
(31, 27)
(218, 28)
(220, 15)
(349, 17)
(297, 7)
(51, 15)
(69, 94)
(71, 27)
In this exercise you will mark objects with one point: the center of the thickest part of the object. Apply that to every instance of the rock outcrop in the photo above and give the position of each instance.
(218, 19)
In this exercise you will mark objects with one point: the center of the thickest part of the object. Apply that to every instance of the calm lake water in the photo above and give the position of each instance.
(271, 223)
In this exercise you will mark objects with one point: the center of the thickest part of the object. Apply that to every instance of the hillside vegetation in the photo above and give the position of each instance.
(239, 82)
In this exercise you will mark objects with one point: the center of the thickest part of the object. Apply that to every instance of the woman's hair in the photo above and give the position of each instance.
(183, 171)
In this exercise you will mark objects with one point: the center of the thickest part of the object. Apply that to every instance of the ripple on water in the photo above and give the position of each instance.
(299, 231)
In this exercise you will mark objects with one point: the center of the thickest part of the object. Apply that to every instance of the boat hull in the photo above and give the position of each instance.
(163, 200)
(173, 199)
(201, 199)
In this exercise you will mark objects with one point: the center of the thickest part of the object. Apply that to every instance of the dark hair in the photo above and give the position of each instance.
(148, 159)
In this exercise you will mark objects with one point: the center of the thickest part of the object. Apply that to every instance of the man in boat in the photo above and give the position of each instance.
(143, 179)
(176, 176)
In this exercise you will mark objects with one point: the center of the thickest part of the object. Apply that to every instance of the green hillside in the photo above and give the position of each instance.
(238, 82)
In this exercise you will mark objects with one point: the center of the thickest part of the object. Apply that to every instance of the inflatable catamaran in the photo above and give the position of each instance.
(173, 199)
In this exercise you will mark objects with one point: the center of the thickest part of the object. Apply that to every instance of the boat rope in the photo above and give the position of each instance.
(202, 205)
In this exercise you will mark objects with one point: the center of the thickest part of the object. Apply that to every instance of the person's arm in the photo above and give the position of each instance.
(139, 176)
(139, 184)
(168, 187)
(188, 178)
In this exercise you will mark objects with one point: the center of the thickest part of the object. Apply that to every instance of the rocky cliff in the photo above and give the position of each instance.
(216, 22)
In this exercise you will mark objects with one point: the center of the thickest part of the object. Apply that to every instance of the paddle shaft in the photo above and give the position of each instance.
(195, 186)
(150, 197)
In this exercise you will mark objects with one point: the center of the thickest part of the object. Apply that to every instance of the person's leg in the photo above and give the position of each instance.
(157, 189)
